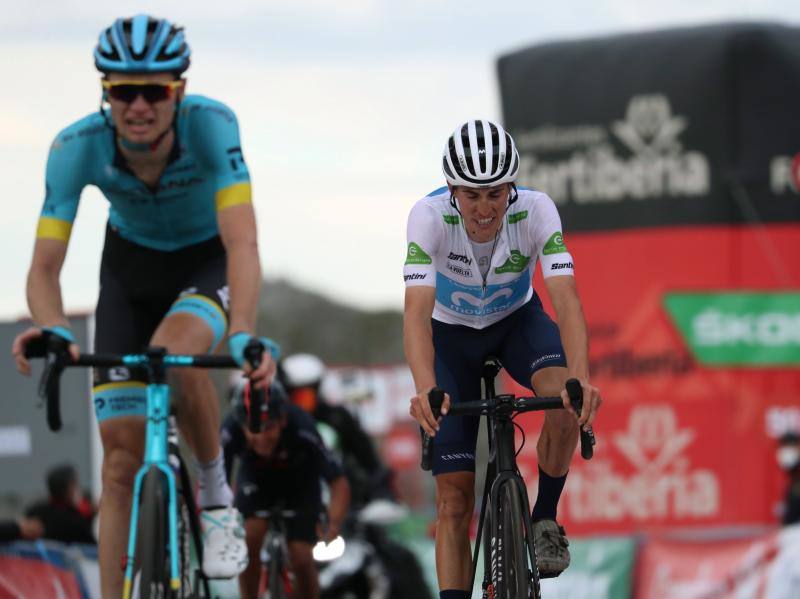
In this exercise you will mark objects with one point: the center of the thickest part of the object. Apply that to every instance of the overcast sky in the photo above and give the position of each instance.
(344, 107)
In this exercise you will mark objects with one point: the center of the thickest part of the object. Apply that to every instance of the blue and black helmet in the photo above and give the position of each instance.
(142, 44)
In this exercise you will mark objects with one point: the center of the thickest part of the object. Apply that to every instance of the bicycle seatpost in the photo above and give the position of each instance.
(436, 399)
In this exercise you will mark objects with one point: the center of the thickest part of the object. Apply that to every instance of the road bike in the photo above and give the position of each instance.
(509, 548)
(165, 531)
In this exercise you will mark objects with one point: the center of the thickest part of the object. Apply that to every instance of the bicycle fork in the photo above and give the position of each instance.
(156, 456)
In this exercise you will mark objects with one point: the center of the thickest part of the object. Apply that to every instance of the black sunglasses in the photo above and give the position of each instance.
(128, 91)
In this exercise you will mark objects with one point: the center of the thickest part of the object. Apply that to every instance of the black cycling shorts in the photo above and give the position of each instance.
(262, 489)
(139, 286)
(525, 341)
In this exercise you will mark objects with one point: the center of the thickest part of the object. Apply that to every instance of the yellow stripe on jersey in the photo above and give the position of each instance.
(53, 228)
(233, 195)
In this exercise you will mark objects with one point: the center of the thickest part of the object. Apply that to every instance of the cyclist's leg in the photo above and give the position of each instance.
(532, 354)
(253, 492)
(306, 580)
(303, 496)
(194, 324)
(254, 529)
(458, 360)
(534, 357)
(120, 405)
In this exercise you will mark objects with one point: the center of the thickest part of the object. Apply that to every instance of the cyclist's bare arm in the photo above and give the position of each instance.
(337, 510)
(44, 297)
(237, 229)
(43, 288)
(574, 337)
(418, 345)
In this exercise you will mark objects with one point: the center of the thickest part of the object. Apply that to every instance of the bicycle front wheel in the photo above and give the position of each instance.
(151, 555)
(275, 574)
(510, 564)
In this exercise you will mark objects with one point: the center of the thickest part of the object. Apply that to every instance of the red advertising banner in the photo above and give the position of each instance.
(22, 578)
(680, 442)
(762, 567)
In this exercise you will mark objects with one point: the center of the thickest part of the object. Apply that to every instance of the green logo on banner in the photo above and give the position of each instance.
(450, 219)
(517, 216)
(416, 255)
(732, 329)
(554, 245)
(515, 263)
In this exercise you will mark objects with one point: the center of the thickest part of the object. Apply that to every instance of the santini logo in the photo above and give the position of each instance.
(460, 258)
(414, 277)
(560, 265)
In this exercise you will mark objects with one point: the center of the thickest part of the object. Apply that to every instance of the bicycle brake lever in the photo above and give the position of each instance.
(575, 392)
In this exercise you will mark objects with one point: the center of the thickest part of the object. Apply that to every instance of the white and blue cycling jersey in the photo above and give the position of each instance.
(441, 255)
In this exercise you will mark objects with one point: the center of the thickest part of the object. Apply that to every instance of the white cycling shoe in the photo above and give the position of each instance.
(224, 547)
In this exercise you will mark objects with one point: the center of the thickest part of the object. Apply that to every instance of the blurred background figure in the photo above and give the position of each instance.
(788, 456)
(302, 375)
(66, 514)
(21, 529)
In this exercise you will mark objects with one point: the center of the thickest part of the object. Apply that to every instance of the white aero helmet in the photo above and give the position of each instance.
(480, 154)
(301, 370)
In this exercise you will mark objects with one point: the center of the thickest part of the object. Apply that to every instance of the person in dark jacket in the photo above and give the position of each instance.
(65, 514)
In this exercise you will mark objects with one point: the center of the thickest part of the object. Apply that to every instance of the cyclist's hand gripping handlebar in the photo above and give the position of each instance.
(54, 349)
(254, 353)
(575, 392)
(436, 399)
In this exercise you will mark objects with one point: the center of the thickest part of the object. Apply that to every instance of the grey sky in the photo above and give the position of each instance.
(344, 107)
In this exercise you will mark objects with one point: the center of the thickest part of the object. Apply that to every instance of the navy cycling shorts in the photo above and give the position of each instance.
(525, 341)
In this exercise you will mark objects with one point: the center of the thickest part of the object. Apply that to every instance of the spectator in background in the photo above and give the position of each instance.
(28, 529)
(788, 456)
(67, 517)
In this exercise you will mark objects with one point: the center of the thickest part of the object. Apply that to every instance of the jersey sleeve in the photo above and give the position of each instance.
(329, 466)
(549, 239)
(215, 130)
(65, 179)
(424, 234)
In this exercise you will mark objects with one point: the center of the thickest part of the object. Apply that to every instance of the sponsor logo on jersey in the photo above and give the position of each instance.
(224, 295)
(459, 270)
(473, 300)
(517, 216)
(516, 262)
(119, 373)
(451, 219)
(554, 245)
(416, 255)
(560, 265)
(460, 258)
(414, 277)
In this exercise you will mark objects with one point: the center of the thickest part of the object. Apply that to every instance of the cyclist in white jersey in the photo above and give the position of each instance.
(472, 248)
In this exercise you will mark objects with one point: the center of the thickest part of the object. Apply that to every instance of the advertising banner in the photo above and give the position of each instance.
(673, 159)
(764, 567)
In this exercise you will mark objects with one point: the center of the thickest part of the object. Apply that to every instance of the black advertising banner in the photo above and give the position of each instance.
(685, 126)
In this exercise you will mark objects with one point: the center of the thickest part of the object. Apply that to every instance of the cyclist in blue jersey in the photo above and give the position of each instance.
(472, 248)
(180, 266)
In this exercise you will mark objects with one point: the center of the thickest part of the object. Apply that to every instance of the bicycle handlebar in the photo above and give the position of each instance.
(54, 350)
(511, 404)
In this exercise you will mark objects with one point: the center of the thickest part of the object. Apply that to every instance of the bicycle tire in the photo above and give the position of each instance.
(512, 574)
(151, 555)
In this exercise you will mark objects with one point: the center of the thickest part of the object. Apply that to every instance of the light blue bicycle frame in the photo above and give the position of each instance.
(156, 455)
